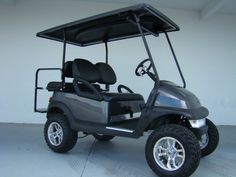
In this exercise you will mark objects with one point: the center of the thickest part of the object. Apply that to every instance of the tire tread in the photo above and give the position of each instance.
(190, 140)
(69, 135)
(213, 139)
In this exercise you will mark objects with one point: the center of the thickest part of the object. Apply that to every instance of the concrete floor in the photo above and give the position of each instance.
(23, 152)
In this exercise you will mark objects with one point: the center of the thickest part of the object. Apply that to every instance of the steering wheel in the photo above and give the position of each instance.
(120, 87)
(142, 68)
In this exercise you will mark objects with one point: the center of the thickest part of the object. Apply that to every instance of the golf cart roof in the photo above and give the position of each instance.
(111, 26)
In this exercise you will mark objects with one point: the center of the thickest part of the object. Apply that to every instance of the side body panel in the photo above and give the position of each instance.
(82, 108)
(102, 112)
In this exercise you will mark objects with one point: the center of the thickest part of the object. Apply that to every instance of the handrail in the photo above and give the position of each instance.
(95, 95)
(40, 88)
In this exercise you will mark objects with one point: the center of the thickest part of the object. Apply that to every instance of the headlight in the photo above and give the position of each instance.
(197, 123)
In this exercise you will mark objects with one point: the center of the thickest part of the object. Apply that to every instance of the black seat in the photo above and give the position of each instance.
(85, 70)
(87, 74)
(108, 76)
(68, 87)
(57, 86)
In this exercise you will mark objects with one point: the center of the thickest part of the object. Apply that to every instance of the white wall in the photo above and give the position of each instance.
(206, 52)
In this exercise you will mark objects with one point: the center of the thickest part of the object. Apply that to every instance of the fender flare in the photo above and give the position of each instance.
(56, 107)
(157, 113)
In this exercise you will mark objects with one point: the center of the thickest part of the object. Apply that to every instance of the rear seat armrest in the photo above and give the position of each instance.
(95, 95)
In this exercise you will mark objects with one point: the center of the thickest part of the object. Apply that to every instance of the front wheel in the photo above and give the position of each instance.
(210, 140)
(173, 151)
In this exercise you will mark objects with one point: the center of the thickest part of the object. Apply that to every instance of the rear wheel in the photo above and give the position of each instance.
(102, 137)
(173, 151)
(209, 140)
(58, 134)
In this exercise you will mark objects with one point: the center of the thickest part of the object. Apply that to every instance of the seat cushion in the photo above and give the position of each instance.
(121, 96)
(57, 86)
(54, 86)
(68, 69)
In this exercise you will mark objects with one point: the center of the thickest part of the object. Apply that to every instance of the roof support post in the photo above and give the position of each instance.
(146, 46)
(106, 52)
(176, 61)
(107, 87)
(63, 59)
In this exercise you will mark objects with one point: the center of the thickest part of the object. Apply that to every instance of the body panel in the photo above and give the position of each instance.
(172, 95)
(104, 112)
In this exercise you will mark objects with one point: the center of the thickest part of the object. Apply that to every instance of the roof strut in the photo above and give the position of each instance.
(63, 59)
(146, 45)
(176, 61)
(106, 52)
(107, 87)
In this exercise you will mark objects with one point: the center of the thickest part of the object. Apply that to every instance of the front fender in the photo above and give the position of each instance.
(157, 113)
(193, 114)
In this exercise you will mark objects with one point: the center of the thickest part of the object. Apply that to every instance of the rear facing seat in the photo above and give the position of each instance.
(68, 87)
(57, 86)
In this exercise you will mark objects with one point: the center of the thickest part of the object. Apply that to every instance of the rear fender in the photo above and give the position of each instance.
(56, 107)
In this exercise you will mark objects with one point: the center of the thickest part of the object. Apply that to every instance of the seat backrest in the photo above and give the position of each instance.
(57, 86)
(106, 74)
(85, 70)
(68, 69)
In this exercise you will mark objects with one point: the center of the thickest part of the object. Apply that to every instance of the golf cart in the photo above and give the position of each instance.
(181, 132)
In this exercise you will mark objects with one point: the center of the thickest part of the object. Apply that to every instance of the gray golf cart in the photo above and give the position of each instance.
(181, 132)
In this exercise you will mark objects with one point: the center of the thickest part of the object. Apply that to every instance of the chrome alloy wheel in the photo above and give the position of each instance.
(169, 153)
(55, 133)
